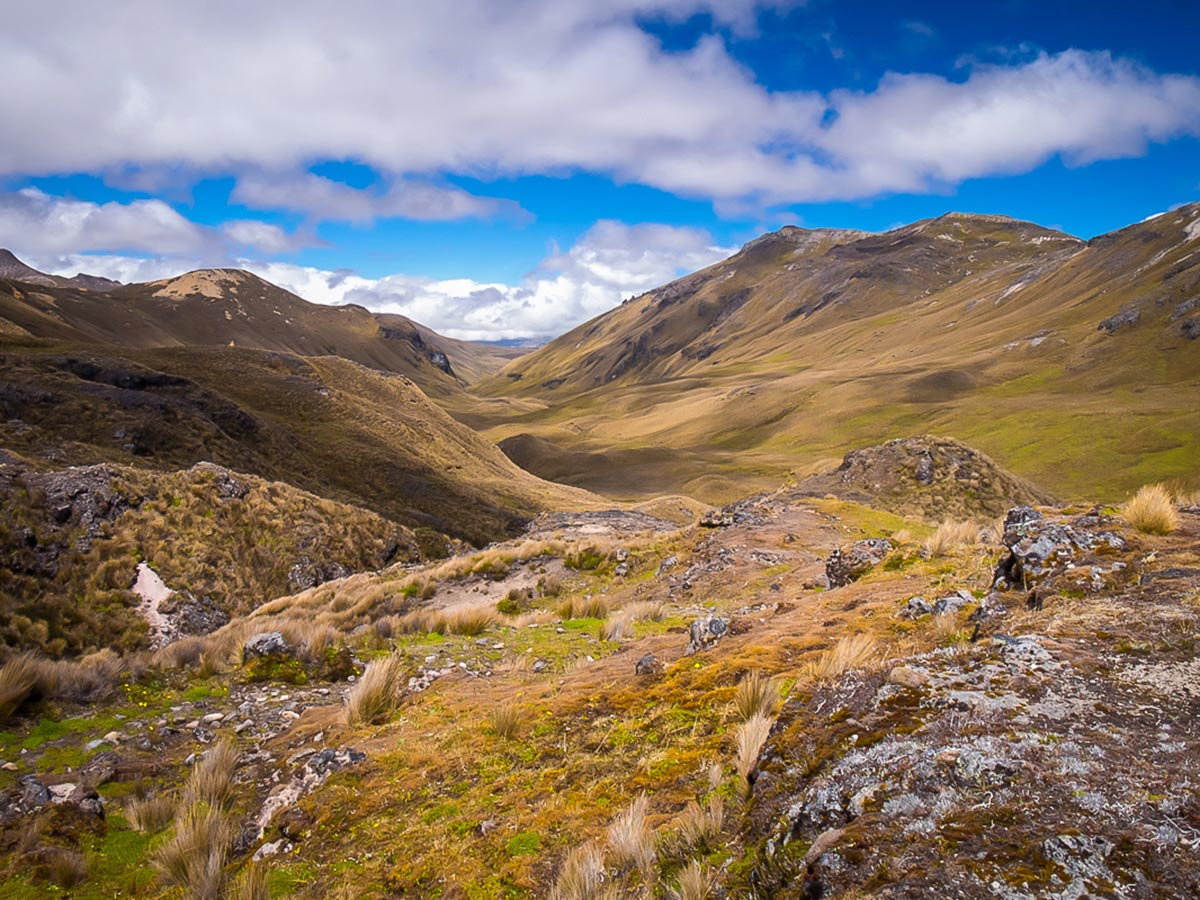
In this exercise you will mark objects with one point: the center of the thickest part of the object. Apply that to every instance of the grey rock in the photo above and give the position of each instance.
(621, 570)
(1126, 317)
(667, 564)
(847, 564)
(950, 604)
(648, 665)
(705, 632)
(917, 607)
(33, 792)
(266, 643)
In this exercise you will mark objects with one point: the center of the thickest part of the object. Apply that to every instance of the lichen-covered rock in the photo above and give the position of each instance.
(266, 643)
(705, 632)
(852, 563)
(1040, 550)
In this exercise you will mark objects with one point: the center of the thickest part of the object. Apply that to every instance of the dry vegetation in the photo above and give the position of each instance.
(1152, 510)
(854, 651)
(950, 536)
(375, 695)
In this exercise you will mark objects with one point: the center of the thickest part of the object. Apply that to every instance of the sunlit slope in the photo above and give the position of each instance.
(808, 343)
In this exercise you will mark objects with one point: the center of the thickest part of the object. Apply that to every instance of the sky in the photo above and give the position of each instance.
(509, 169)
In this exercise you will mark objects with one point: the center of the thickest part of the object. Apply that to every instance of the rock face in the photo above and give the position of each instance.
(852, 563)
(1040, 551)
(1125, 318)
(934, 477)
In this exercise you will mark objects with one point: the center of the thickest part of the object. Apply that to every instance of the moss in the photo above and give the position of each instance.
(284, 670)
(524, 844)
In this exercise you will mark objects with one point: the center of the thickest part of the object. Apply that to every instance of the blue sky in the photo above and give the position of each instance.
(511, 169)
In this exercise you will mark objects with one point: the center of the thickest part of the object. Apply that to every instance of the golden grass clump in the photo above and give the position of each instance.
(630, 840)
(28, 678)
(252, 885)
(699, 826)
(150, 815)
(505, 720)
(618, 627)
(1152, 510)
(211, 781)
(949, 536)
(592, 607)
(377, 692)
(854, 651)
(695, 882)
(194, 857)
(756, 693)
(751, 737)
(581, 875)
(470, 621)
(646, 610)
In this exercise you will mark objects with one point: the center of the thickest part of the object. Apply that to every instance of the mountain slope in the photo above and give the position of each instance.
(1027, 343)
(324, 424)
(229, 307)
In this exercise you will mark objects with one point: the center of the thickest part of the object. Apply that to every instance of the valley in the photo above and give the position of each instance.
(834, 569)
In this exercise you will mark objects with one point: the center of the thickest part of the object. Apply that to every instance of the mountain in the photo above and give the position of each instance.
(1036, 347)
(231, 307)
(13, 269)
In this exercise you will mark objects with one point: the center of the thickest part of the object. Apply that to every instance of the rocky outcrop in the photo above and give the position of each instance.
(1040, 551)
(933, 477)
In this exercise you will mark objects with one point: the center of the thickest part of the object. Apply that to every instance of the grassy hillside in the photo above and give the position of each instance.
(1072, 364)
(227, 307)
(326, 425)
(225, 542)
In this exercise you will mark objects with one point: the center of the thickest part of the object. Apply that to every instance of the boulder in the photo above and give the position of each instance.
(648, 665)
(847, 564)
(266, 643)
(1039, 550)
(705, 632)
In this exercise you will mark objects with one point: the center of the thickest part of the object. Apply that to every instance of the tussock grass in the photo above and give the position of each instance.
(594, 607)
(854, 651)
(949, 536)
(150, 815)
(617, 627)
(695, 882)
(751, 736)
(534, 617)
(756, 694)
(470, 621)
(27, 679)
(377, 691)
(505, 721)
(646, 610)
(581, 875)
(63, 867)
(252, 885)
(1151, 510)
(194, 857)
(211, 781)
(699, 826)
(630, 840)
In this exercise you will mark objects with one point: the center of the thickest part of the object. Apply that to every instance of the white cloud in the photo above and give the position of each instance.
(419, 90)
(36, 223)
(262, 236)
(325, 199)
(609, 263)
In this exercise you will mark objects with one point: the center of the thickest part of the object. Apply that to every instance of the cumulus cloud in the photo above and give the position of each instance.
(37, 223)
(328, 200)
(420, 90)
(609, 263)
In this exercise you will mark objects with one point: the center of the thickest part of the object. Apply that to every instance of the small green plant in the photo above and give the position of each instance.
(586, 559)
(526, 843)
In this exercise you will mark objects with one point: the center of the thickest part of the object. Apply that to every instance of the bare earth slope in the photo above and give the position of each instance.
(1072, 364)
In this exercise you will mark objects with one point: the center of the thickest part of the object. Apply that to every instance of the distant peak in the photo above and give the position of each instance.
(802, 237)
